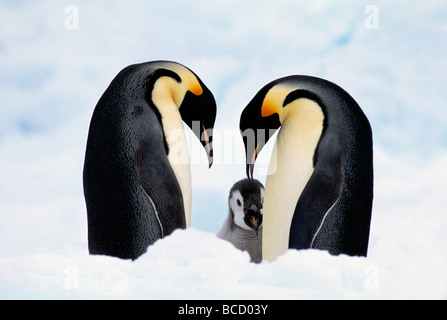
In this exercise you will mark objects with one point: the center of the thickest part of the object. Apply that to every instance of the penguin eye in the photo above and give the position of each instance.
(238, 202)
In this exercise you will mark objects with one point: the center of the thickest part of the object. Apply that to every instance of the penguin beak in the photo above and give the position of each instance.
(207, 144)
(253, 218)
(251, 164)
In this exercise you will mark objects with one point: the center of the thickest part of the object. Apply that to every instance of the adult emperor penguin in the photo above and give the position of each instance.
(243, 226)
(319, 190)
(137, 182)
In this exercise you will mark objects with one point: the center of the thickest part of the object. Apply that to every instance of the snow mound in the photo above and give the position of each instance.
(189, 264)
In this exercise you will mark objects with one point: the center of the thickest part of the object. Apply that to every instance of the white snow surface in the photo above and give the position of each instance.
(194, 264)
(53, 73)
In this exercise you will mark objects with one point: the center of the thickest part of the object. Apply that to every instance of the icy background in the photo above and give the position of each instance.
(53, 69)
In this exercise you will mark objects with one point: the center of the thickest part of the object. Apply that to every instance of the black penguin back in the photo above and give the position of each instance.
(343, 175)
(122, 221)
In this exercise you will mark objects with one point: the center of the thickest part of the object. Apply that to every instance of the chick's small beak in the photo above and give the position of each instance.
(253, 218)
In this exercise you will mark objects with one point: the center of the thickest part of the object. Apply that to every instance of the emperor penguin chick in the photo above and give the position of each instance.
(243, 226)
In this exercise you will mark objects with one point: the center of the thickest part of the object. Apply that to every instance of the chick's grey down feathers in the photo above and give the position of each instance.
(244, 238)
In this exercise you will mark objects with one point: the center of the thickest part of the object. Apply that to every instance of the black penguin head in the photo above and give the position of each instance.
(266, 113)
(256, 129)
(196, 104)
(199, 113)
(245, 202)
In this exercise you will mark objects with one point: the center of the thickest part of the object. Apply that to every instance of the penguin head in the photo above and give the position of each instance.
(270, 108)
(175, 85)
(245, 202)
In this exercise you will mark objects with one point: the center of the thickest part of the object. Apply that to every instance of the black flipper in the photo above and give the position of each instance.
(158, 180)
(318, 198)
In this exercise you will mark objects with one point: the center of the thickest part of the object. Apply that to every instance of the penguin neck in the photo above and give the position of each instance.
(178, 155)
(290, 168)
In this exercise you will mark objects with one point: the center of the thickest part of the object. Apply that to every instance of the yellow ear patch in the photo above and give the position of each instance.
(169, 89)
(268, 108)
(189, 80)
(274, 99)
(196, 89)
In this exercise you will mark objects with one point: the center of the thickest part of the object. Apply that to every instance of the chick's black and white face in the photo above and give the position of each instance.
(246, 204)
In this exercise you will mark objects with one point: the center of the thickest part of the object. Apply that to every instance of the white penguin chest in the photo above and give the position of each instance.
(291, 166)
(178, 156)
